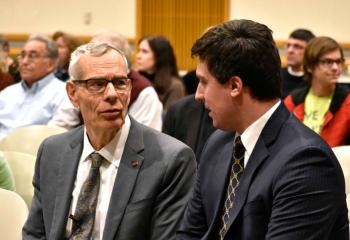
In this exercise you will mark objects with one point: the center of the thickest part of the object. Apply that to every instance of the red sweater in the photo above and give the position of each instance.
(336, 126)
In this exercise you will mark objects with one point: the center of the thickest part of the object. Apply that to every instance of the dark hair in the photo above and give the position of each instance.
(315, 49)
(165, 61)
(302, 34)
(71, 42)
(245, 49)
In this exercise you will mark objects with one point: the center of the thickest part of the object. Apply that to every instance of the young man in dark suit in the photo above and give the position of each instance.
(264, 175)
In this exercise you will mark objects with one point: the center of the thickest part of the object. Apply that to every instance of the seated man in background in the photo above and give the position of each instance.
(36, 98)
(144, 105)
(323, 105)
(292, 75)
(187, 120)
(139, 179)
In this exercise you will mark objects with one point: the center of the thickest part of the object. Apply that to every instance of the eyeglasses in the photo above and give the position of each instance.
(94, 86)
(32, 56)
(329, 62)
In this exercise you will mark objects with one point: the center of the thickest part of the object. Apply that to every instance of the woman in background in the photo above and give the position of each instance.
(156, 60)
(66, 44)
(323, 105)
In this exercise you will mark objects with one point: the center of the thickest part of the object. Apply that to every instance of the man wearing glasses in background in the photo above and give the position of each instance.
(112, 178)
(292, 75)
(38, 95)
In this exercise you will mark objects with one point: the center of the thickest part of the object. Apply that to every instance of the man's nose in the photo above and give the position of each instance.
(199, 96)
(110, 91)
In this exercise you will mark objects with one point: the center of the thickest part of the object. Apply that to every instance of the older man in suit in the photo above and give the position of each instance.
(112, 178)
(263, 175)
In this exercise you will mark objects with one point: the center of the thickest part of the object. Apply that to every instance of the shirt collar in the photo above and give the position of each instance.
(293, 73)
(40, 84)
(113, 151)
(250, 136)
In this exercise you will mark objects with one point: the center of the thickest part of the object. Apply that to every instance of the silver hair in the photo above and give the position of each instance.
(92, 49)
(115, 39)
(51, 47)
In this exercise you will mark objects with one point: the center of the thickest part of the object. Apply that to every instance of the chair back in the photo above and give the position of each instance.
(13, 214)
(343, 155)
(28, 139)
(22, 166)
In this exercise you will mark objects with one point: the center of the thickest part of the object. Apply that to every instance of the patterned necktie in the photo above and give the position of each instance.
(237, 168)
(84, 216)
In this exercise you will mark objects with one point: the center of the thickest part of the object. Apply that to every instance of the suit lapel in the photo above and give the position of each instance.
(259, 155)
(220, 174)
(129, 167)
(69, 160)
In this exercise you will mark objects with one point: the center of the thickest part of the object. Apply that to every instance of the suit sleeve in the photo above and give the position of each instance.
(175, 192)
(34, 226)
(308, 198)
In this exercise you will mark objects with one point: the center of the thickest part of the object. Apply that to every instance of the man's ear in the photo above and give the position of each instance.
(236, 85)
(71, 89)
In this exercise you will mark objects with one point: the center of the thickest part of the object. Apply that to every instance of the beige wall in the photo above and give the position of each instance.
(47, 16)
(323, 17)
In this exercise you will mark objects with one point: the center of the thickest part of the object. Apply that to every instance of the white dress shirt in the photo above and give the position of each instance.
(250, 136)
(147, 108)
(112, 152)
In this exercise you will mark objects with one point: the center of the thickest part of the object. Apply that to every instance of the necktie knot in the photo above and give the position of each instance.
(238, 149)
(96, 160)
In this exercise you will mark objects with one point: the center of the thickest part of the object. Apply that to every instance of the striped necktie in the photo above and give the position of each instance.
(84, 216)
(237, 168)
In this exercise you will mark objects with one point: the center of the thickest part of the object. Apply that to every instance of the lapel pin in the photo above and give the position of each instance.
(135, 164)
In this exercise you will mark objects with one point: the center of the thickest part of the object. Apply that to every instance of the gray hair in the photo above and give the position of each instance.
(92, 49)
(115, 39)
(51, 47)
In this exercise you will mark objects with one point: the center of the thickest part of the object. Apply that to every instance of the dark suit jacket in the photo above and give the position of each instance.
(292, 187)
(147, 201)
(188, 121)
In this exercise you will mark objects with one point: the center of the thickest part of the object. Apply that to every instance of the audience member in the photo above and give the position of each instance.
(156, 60)
(139, 180)
(5, 54)
(264, 175)
(66, 44)
(36, 98)
(5, 78)
(7, 180)
(8, 67)
(144, 105)
(324, 106)
(293, 75)
(187, 120)
(190, 81)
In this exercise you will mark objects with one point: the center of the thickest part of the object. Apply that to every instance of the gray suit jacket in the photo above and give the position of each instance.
(147, 201)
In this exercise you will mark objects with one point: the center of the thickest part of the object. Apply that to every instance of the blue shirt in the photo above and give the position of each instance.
(22, 106)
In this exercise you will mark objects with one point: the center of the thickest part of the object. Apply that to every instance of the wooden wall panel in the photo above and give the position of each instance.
(181, 21)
